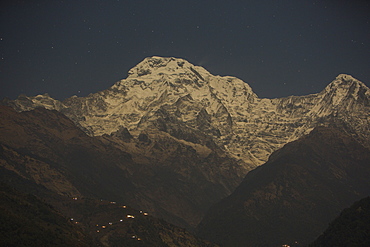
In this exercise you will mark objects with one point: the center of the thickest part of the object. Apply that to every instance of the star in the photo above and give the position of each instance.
(266, 40)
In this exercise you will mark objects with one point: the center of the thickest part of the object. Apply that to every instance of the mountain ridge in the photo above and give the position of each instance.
(224, 107)
(350, 228)
(292, 197)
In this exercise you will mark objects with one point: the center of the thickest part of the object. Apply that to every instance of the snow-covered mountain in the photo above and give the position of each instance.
(161, 92)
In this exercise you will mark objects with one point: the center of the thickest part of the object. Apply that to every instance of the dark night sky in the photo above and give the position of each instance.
(280, 48)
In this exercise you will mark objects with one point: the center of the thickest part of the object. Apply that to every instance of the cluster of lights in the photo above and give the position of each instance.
(130, 216)
(286, 245)
(134, 236)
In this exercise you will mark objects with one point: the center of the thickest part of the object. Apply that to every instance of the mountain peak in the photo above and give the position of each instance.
(345, 77)
(345, 88)
(346, 81)
(159, 66)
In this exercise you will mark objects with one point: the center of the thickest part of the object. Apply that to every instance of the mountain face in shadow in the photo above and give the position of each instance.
(48, 149)
(350, 228)
(294, 195)
(173, 179)
(27, 221)
(43, 153)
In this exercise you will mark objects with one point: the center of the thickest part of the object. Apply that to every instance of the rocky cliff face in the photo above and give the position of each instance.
(159, 92)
